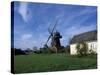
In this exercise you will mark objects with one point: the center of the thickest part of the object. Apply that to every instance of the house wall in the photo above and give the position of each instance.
(91, 45)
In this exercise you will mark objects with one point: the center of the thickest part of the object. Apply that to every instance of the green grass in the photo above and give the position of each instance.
(52, 62)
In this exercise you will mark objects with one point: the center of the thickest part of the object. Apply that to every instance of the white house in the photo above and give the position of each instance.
(89, 37)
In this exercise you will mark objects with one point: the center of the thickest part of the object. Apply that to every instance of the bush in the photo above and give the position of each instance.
(17, 51)
(92, 52)
(61, 49)
(45, 50)
(38, 52)
(82, 48)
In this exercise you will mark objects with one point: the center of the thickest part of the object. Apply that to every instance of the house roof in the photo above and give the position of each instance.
(87, 36)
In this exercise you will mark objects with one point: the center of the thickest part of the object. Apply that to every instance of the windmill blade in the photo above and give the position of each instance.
(51, 32)
(49, 36)
(54, 26)
(48, 39)
(49, 29)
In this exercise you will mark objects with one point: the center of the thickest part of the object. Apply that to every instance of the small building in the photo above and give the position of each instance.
(89, 37)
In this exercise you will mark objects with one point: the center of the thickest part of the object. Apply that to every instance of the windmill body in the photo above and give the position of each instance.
(55, 41)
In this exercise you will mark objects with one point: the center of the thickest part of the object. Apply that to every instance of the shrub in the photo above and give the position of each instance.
(82, 48)
(45, 50)
(62, 49)
(92, 52)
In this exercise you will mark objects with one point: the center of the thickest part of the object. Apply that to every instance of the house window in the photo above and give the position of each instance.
(92, 46)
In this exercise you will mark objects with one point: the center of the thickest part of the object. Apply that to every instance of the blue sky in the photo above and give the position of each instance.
(32, 20)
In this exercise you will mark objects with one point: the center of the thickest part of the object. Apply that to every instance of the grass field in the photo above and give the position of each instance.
(52, 62)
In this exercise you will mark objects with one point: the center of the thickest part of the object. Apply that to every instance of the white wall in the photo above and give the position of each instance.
(91, 45)
(73, 50)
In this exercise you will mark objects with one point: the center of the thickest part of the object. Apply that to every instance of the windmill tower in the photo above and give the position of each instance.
(55, 39)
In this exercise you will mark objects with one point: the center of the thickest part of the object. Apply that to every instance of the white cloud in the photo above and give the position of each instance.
(24, 11)
(26, 36)
(25, 41)
(29, 41)
(80, 29)
(70, 18)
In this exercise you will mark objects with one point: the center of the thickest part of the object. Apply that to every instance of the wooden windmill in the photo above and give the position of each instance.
(55, 38)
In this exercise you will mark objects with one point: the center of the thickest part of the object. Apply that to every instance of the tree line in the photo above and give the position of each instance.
(35, 50)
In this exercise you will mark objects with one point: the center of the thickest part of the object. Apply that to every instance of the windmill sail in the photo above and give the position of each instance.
(51, 33)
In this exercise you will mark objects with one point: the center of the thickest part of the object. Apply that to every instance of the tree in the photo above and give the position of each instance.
(68, 49)
(16, 51)
(82, 48)
(35, 48)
